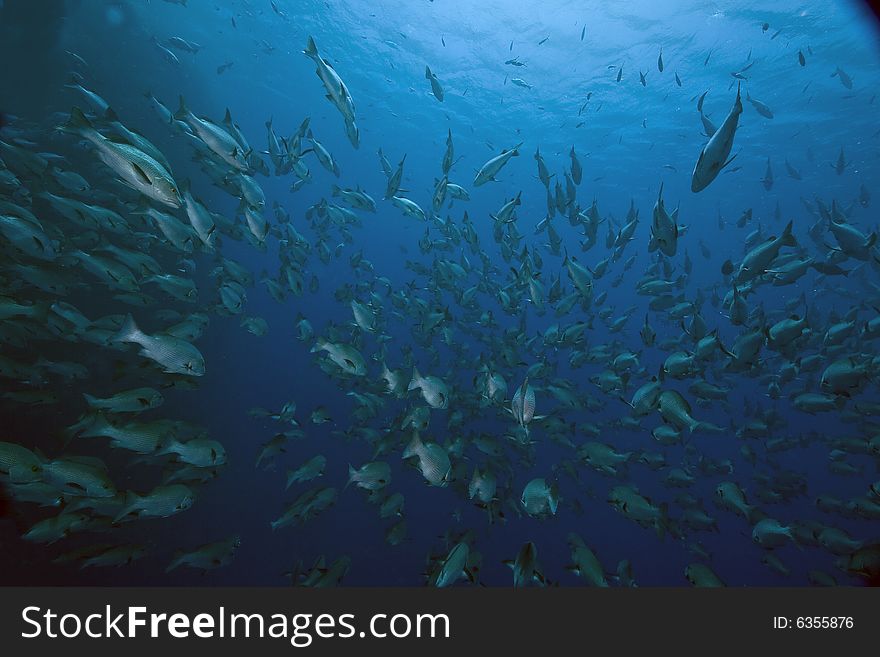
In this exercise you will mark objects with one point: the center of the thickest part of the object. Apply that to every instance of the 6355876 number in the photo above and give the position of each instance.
(813, 622)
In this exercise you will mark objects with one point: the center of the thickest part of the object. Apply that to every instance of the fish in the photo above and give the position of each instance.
(134, 167)
(184, 45)
(525, 566)
(370, 476)
(841, 164)
(576, 170)
(760, 107)
(161, 502)
(453, 567)
(220, 142)
(127, 401)
(323, 155)
(311, 469)
(337, 91)
(347, 358)
(522, 405)
(433, 461)
(173, 355)
(540, 499)
(585, 563)
(714, 156)
(482, 486)
(543, 172)
(664, 229)
(493, 166)
(701, 576)
(434, 390)
(767, 181)
(436, 89)
(307, 506)
(634, 506)
(19, 464)
(448, 155)
(700, 101)
(844, 78)
(207, 556)
(394, 180)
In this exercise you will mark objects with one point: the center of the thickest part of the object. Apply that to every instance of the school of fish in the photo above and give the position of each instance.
(92, 216)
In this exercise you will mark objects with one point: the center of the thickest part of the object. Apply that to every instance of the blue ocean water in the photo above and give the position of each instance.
(629, 138)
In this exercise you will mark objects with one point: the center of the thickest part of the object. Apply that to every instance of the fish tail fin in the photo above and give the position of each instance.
(129, 332)
(427, 73)
(335, 190)
(352, 473)
(311, 49)
(663, 522)
(176, 561)
(173, 446)
(131, 502)
(320, 343)
(142, 207)
(91, 400)
(794, 539)
(412, 448)
(754, 514)
(182, 110)
(77, 123)
(415, 381)
(788, 239)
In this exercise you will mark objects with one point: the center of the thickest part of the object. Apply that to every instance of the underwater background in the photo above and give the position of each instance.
(579, 87)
